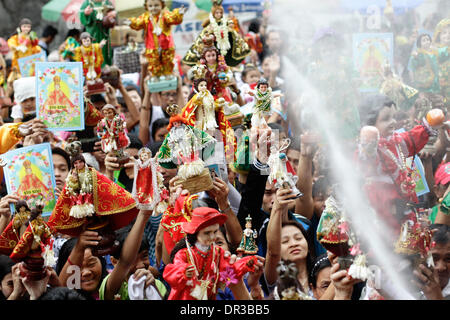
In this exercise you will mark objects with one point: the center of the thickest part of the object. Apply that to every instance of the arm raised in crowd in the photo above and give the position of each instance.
(273, 256)
(220, 194)
(305, 205)
(254, 188)
(127, 255)
(145, 116)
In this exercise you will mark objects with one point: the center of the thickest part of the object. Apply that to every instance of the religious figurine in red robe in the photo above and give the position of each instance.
(112, 132)
(148, 188)
(89, 200)
(157, 24)
(35, 245)
(198, 267)
(382, 157)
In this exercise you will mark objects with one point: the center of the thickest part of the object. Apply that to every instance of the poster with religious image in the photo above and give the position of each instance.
(29, 175)
(59, 95)
(372, 52)
(27, 65)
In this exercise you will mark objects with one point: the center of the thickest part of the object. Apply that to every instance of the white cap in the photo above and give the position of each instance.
(24, 88)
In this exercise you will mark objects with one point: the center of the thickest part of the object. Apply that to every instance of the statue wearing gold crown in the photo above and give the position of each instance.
(186, 147)
(227, 40)
(207, 114)
(90, 200)
(157, 23)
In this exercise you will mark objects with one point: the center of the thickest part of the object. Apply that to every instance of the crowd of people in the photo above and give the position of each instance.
(271, 224)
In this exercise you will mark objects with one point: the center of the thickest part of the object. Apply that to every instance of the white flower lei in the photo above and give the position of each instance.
(223, 44)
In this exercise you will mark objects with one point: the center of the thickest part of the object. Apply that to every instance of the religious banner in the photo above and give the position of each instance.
(27, 65)
(371, 53)
(59, 95)
(29, 175)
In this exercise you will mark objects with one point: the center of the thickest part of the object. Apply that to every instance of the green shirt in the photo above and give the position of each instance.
(123, 291)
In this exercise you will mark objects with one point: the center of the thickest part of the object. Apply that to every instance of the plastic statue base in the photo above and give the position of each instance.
(95, 87)
(33, 268)
(202, 182)
(162, 85)
(108, 244)
(122, 157)
(235, 119)
(345, 262)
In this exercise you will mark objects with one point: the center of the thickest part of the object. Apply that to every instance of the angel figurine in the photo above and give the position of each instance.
(148, 187)
(263, 100)
(186, 147)
(157, 23)
(112, 132)
(279, 174)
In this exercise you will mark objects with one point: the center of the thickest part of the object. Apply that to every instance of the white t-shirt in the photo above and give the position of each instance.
(157, 113)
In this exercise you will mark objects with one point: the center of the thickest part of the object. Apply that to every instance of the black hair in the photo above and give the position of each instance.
(254, 25)
(73, 33)
(154, 146)
(135, 142)
(262, 81)
(62, 153)
(133, 87)
(308, 235)
(196, 82)
(61, 293)
(6, 265)
(97, 98)
(158, 124)
(371, 106)
(75, 158)
(442, 235)
(248, 67)
(25, 21)
(64, 253)
(49, 31)
(419, 39)
(191, 239)
(320, 186)
(121, 236)
(295, 144)
(321, 262)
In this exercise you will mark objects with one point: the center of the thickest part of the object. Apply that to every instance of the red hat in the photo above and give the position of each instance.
(442, 175)
(201, 218)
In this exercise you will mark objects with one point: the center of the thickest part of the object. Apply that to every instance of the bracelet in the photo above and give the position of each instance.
(226, 209)
(70, 262)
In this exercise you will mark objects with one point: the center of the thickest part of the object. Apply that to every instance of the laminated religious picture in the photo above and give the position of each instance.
(29, 175)
(27, 65)
(371, 51)
(59, 95)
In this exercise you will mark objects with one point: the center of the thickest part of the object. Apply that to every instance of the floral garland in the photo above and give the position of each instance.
(221, 34)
